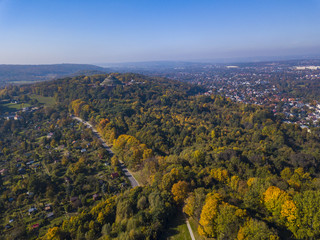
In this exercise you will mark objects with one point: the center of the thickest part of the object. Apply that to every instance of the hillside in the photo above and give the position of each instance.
(20, 74)
(235, 169)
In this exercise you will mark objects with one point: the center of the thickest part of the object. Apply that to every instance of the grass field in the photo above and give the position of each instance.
(13, 107)
(194, 226)
(177, 229)
(140, 179)
(48, 101)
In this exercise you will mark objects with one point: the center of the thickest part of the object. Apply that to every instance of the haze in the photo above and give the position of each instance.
(82, 31)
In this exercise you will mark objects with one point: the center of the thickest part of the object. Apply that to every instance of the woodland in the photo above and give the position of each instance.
(236, 169)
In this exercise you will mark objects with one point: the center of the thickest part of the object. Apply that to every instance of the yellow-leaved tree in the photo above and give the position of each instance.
(219, 219)
(208, 213)
(280, 205)
(180, 191)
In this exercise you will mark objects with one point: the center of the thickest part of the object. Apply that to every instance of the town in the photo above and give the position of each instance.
(289, 88)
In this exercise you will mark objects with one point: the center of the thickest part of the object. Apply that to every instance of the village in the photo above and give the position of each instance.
(51, 159)
(287, 88)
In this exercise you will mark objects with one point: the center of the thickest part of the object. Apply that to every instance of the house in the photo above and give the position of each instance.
(30, 194)
(3, 171)
(48, 207)
(8, 226)
(32, 210)
(30, 162)
(9, 117)
(67, 180)
(35, 226)
(17, 117)
(114, 175)
(95, 197)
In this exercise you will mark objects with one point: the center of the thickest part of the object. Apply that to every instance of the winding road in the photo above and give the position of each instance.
(126, 172)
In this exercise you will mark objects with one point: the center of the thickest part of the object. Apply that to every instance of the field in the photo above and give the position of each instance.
(13, 107)
(194, 226)
(48, 101)
(177, 229)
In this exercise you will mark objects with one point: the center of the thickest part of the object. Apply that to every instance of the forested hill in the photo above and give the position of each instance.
(19, 74)
(235, 169)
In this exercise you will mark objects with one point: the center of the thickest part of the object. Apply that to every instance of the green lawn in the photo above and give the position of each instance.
(12, 107)
(137, 175)
(194, 226)
(48, 101)
(177, 229)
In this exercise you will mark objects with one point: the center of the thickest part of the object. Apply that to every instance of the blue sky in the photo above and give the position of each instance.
(102, 31)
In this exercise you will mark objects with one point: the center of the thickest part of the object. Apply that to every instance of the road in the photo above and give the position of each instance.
(190, 229)
(126, 172)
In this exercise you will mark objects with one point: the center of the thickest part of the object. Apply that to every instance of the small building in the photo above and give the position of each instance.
(50, 215)
(32, 210)
(17, 117)
(30, 162)
(67, 180)
(95, 197)
(30, 194)
(35, 226)
(8, 226)
(47, 207)
(3, 171)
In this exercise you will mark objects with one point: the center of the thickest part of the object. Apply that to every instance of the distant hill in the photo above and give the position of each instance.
(16, 74)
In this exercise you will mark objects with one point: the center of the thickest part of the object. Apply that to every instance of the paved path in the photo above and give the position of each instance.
(190, 230)
(124, 169)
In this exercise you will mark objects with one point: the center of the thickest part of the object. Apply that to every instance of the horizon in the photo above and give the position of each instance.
(253, 59)
(81, 32)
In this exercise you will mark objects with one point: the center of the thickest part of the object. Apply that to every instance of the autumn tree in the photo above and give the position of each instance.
(255, 229)
(180, 191)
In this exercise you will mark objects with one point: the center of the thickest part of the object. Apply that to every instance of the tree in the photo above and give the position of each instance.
(280, 204)
(254, 229)
(208, 214)
(180, 191)
(221, 175)
(307, 221)
(219, 219)
(189, 206)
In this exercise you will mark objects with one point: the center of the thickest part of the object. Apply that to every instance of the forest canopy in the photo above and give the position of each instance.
(236, 169)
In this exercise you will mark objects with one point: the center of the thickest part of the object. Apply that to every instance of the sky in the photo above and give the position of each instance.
(107, 31)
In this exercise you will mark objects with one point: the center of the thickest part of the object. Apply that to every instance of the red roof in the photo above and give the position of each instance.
(35, 226)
